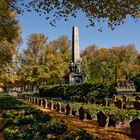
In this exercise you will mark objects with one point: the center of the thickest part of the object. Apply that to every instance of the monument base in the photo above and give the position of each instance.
(75, 78)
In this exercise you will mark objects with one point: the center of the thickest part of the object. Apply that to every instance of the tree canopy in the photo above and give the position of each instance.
(110, 64)
(42, 62)
(112, 11)
(9, 26)
(9, 40)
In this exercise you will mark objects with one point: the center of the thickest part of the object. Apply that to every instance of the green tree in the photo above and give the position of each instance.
(57, 60)
(96, 64)
(8, 52)
(9, 26)
(31, 60)
(9, 40)
(124, 58)
(44, 63)
(109, 65)
(87, 59)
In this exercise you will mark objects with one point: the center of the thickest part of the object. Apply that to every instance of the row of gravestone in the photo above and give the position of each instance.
(125, 98)
(68, 110)
(92, 100)
(119, 103)
(103, 119)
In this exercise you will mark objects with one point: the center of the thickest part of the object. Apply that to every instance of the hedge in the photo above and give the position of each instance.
(66, 91)
(136, 81)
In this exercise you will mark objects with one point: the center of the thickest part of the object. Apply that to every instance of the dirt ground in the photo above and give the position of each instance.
(74, 123)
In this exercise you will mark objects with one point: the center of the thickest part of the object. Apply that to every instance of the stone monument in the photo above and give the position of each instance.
(75, 75)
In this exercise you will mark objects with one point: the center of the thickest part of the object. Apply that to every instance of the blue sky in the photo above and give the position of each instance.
(128, 33)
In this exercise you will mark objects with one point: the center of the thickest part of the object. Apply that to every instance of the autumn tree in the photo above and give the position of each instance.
(9, 26)
(57, 60)
(87, 60)
(124, 65)
(98, 64)
(9, 40)
(109, 65)
(30, 60)
(112, 11)
(44, 63)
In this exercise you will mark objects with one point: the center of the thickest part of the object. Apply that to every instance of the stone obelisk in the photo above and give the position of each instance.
(75, 45)
(75, 76)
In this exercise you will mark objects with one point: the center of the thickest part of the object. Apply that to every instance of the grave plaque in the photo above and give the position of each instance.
(68, 109)
(114, 97)
(137, 105)
(119, 104)
(81, 113)
(125, 98)
(103, 119)
(92, 101)
(73, 111)
(135, 128)
(104, 102)
(137, 97)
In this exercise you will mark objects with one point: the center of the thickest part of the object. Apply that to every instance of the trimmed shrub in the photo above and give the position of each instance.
(98, 91)
(136, 81)
(112, 90)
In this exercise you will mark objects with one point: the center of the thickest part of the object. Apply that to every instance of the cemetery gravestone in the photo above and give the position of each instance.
(103, 119)
(88, 115)
(119, 104)
(43, 102)
(62, 108)
(104, 102)
(54, 106)
(125, 98)
(50, 105)
(58, 107)
(34, 100)
(68, 109)
(137, 97)
(136, 105)
(92, 101)
(81, 113)
(46, 103)
(114, 97)
(135, 128)
(73, 111)
(38, 101)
